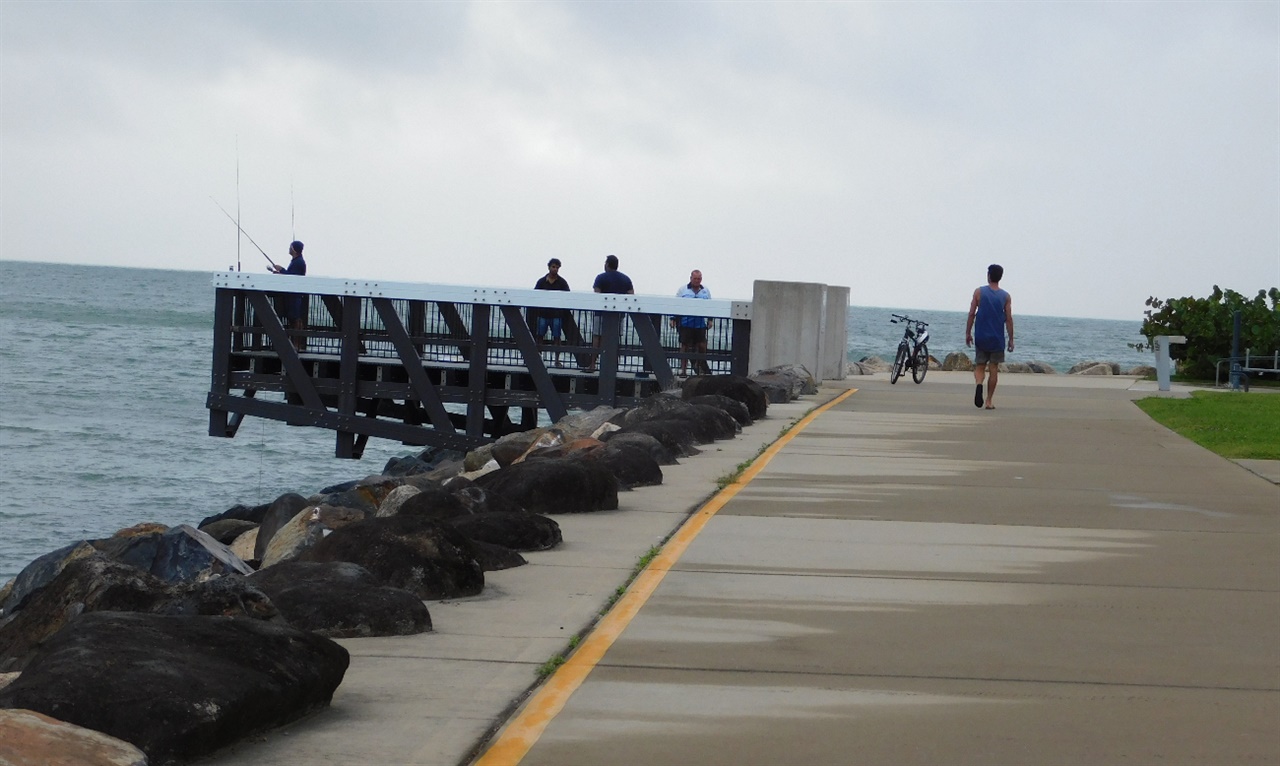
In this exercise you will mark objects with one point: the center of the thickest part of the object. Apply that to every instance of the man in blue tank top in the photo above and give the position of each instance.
(990, 314)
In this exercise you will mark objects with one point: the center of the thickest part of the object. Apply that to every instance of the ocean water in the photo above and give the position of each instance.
(103, 377)
(1057, 341)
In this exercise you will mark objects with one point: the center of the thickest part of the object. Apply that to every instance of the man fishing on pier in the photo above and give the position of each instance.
(295, 306)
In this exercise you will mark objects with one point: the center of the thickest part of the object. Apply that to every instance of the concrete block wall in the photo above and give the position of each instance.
(799, 323)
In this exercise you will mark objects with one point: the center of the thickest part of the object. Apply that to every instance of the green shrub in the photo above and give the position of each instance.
(1207, 323)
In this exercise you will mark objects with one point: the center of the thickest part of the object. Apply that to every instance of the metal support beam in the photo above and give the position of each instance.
(295, 373)
(533, 361)
(422, 385)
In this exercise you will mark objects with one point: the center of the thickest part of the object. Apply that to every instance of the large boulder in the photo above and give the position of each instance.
(434, 503)
(777, 392)
(253, 514)
(226, 531)
(519, 531)
(30, 738)
(555, 485)
(341, 600)
(418, 554)
(713, 423)
(512, 447)
(391, 503)
(1090, 368)
(736, 409)
(1042, 368)
(40, 573)
(737, 387)
(477, 499)
(957, 361)
(1142, 371)
(796, 377)
(661, 454)
(97, 583)
(1100, 368)
(181, 554)
(308, 528)
(632, 466)
(178, 687)
(1017, 367)
(279, 513)
(656, 407)
(581, 424)
(678, 436)
(493, 557)
(362, 495)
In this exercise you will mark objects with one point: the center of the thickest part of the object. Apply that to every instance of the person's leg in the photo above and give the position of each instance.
(556, 335)
(979, 372)
(702, 349)
(991, 383)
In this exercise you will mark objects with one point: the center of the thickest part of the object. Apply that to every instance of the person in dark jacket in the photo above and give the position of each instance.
(295, 304)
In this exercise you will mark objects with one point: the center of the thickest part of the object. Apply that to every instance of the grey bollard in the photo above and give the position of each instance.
(1162, 358)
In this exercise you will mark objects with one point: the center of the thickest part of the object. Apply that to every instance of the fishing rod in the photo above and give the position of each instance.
(242, 231)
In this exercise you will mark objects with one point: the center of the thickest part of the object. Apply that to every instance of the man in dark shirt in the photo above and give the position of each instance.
(608, 281)
(550, 319)
(295, 305)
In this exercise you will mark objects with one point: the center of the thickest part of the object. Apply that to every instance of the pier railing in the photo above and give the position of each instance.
(445, 365)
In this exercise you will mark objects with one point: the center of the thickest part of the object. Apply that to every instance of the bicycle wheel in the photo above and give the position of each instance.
(920, 363)
(899, 363)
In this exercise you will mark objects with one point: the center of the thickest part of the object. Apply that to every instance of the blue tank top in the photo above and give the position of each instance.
(988, 327)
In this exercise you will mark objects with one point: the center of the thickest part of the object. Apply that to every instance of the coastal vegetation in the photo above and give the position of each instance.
(1208, 325)
(1234, 425)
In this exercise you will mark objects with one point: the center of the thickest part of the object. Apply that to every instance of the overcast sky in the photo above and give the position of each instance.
(1102, 152)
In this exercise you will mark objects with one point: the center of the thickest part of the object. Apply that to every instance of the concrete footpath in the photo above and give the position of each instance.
(908, 580)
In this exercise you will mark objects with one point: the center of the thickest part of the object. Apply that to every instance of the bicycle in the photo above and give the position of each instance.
(913, 351)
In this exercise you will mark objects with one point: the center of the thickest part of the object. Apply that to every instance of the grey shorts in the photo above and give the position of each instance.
(988, 357)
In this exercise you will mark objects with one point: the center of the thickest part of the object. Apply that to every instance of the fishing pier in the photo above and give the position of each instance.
(444, 365)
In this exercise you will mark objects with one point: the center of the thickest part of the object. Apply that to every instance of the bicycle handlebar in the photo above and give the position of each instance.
(896, 317)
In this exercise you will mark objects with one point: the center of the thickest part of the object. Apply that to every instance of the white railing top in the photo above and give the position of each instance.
(494, 296)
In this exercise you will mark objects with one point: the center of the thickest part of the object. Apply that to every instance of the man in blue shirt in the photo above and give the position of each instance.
(608, 281)
(295, 306)
(990, 314)
(693, 330)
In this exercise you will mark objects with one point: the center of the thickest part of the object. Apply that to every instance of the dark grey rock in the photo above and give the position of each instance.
(661, 454)
(555, 485)
(418, 554)
(519, 531)
(341, 600)
(241, 512)
(178, 687)
(737, 387)
(226, 531)
(735, 408)
(679, 436)
(41, 572)
(181, 554)
(97, 583)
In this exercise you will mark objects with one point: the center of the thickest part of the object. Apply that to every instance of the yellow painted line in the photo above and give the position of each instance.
(523, 732)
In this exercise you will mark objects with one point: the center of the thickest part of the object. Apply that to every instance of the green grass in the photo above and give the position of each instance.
(1232, 424)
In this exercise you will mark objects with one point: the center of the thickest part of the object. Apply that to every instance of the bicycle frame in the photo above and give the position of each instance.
(913, 353)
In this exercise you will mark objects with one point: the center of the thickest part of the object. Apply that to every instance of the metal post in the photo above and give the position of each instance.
(1235, 350)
